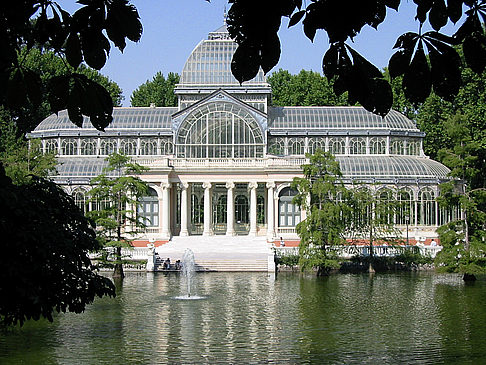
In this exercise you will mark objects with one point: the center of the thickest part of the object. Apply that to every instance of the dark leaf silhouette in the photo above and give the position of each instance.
(417, 80)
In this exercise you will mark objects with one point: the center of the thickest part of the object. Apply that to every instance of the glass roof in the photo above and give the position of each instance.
(391, 167)
(335, 118)
(210, 63)
(80, 167)
(387, 167)
(123, 118)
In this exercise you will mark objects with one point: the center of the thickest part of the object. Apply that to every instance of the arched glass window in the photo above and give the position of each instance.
(148, 210)
(69, 146)
(378, 146)
(148, 147)
(336, 146)
(397, 147)
(288, 212)
(413, 147)
(166, 147)
(107, 146)
(296, 146)
(128, 147)
(383, 209)
(88, 146)
(241, 209)
(357, 146)
(277, 146)
(405, 209)
(426, 207)
(220, 130)
(80, 199)
(51, 146)
(315, 144)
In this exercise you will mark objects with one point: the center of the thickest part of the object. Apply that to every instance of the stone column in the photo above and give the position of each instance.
(270, 211)
(230, 209)
(166, 210)
(253, 208)
(184, 209)
(208, 231)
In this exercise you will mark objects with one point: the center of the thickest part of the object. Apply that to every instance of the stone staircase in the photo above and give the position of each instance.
(220, 253)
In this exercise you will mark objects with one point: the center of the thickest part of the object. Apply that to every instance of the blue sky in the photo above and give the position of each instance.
(173, 28)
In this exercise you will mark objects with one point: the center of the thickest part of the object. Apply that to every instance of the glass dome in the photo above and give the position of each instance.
(210, 63)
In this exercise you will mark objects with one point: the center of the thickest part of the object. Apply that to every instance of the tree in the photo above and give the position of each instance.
(45, 237)
(82, 36)
(432, 115)
(372, 218)
(254, 26)
(463, 239)
(304, 89)
(48, 66)
(323, 196)
(116, 192)
(159, 91)
(22, 159)
(45, 245)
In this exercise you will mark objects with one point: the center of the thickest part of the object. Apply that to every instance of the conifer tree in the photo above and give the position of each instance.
(116, 194)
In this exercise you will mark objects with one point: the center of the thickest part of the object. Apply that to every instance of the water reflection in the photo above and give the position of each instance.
(255, 318)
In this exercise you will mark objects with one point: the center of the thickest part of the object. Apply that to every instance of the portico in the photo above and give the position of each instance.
(211, 208)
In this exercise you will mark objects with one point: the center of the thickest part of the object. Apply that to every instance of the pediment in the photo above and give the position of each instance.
(218, 96)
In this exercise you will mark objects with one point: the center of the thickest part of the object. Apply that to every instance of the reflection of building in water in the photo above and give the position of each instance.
(221, 162)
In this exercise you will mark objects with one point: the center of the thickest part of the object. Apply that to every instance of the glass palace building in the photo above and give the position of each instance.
(221, 162)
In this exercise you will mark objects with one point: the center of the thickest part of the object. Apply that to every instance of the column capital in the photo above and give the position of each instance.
(230, 185)
(184, 185)
(270, 185)
(207, 185)
(165, 185)
(252, 185)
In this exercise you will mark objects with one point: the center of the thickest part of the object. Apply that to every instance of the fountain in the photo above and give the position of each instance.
(188, 270)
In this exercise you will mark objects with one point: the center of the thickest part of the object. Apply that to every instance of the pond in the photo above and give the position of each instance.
(420, 318)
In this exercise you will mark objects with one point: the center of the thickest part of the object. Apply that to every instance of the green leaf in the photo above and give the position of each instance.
(95, 48)
(438, 14)
(454, 10)
(73, 50)
(270, 52)
(474, 47)
(122, 20)
(245, 63)
(296, 17)
(417, 80)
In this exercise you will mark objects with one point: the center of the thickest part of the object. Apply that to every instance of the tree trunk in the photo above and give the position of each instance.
(118, 272)
(371, 269)
(469, 277)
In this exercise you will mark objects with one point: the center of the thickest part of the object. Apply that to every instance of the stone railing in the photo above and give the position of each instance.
(136, 253)
(351, 250)
(220, 162)
(286, 231)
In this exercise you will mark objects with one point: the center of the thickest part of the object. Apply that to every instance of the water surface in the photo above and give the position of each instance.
(254, 318)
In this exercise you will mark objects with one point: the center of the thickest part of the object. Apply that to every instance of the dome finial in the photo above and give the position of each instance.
(225, 15)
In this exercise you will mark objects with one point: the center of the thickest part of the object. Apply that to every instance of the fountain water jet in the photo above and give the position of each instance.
(188, 270)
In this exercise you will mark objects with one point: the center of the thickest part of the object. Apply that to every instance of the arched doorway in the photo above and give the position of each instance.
(242, 215)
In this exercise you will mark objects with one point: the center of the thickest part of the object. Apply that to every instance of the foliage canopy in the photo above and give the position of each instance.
(426, 60)
(159, 91)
